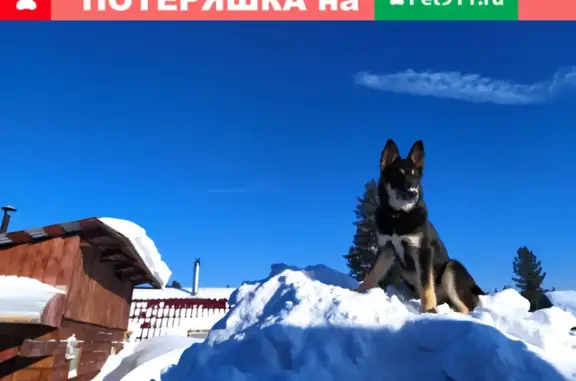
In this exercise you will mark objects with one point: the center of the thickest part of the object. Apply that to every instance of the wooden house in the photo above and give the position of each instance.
(65, 294)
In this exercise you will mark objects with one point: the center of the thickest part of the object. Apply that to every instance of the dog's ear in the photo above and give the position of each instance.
(389, 154)
(417, 154)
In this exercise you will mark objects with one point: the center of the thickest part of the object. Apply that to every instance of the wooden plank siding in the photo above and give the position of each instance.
(94, 293)
(50, 261)
(96, 344)
(95, 308)
(43, 357)
(97, 269)
(97, 296)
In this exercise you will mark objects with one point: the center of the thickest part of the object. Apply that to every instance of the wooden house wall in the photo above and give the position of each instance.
(94, 294)
(97, 296)
(51, 262)
(96, 310)
(95, 343)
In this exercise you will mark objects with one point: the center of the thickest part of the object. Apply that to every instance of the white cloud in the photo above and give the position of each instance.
(469, 87)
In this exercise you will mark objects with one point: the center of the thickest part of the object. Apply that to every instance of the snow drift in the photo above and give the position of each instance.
(565, 300)
(24, 299)
(307, 325)
(144, 360)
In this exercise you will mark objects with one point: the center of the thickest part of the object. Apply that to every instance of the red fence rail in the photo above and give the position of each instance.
(158, 317)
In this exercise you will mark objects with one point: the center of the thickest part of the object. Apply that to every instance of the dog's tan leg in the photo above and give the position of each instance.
(449, 284)
(425, 271)
(383, 262)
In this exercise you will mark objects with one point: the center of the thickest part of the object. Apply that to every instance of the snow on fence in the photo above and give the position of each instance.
(159, 317)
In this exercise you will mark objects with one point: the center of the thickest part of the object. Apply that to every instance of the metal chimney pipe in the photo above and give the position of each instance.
(6, 218)
(196, 277)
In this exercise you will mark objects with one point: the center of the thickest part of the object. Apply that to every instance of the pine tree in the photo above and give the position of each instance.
(529, 276)
(363, 252)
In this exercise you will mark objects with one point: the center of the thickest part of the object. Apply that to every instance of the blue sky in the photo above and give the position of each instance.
(246, 144)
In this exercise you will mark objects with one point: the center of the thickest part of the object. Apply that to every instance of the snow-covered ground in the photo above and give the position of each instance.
(146, 360)
(307, 325)
(565, 300)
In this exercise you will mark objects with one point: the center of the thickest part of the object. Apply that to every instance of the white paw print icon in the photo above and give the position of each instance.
(396, 2)
(29, 5)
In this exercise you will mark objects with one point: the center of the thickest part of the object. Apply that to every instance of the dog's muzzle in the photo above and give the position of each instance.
(411, 193)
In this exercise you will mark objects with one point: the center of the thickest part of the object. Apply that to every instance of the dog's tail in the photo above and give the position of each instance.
(474, 288)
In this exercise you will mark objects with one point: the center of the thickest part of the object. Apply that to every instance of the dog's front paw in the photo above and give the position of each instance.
(362, 288)
(430, 311)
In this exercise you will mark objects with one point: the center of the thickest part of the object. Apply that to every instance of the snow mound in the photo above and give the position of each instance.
(320, 273)
(24, 299)
(144, 246)
(308, 325)
(565, 300)
(144, 360)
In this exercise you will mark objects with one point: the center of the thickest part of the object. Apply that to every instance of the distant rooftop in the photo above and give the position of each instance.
(183, 293)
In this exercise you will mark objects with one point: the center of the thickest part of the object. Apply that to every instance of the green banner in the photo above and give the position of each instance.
(446, 9)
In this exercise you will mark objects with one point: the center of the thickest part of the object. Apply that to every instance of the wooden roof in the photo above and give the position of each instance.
(113, 246)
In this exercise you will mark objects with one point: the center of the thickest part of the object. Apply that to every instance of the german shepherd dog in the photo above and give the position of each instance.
(405, 234)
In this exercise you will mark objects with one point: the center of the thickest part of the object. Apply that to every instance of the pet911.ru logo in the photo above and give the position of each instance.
(445, 3)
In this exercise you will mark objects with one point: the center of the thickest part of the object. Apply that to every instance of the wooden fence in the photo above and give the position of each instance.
(159, 317)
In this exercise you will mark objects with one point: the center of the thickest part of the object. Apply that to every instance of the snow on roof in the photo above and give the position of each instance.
(307, 325)
(565, 300)
(143, 245)
(24, 299)
(212, 292)
(184, 293)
